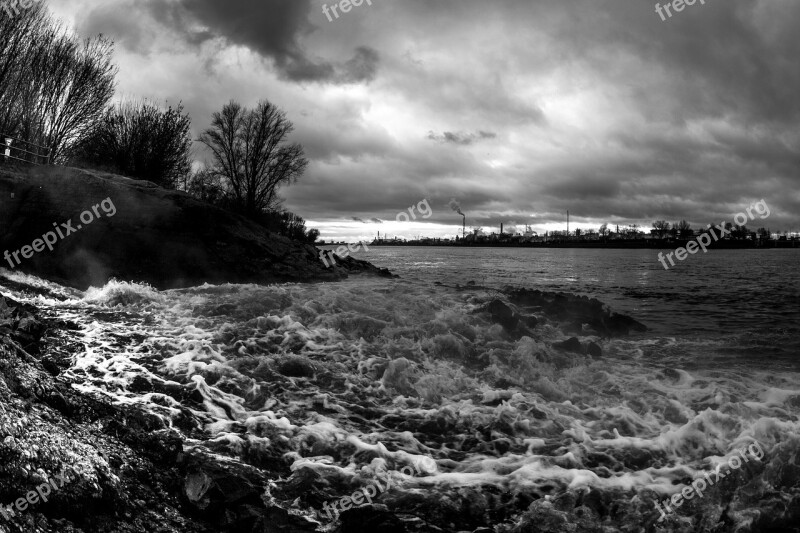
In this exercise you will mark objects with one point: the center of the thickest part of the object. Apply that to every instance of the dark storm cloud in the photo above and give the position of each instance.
(599, 106)
(132, 24)
(272, 28)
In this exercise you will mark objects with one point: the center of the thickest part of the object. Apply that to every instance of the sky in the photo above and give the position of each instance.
(519, 110)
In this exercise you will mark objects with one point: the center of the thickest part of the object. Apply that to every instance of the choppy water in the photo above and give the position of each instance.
(328, 386)
(745, 302)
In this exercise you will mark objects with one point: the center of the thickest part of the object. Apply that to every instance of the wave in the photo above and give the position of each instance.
(528, 409)
(123, 293)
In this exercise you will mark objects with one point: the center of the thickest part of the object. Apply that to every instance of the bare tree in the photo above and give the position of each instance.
(603, 231)
(17, 49)
(661, 227)
(53, 86)
(140, 140)
(683, 228)
(251, 153)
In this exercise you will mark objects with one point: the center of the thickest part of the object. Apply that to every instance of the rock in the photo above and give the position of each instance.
(572, 345)
(574, 313)
(145, 233)
(51, 366)
(140, 384)
(594, 350)
(370, 519)
(296, 367)
(503, 314)
(229, 495)
(671, 373)
(196, 486)
(120, 468)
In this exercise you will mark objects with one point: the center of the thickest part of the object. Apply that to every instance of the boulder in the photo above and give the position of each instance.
(503, 314)
(574, 312)
(594, 350)
(572, 345)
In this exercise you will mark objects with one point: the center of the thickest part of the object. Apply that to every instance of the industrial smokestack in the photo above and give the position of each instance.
(501, 228)
(455, 206)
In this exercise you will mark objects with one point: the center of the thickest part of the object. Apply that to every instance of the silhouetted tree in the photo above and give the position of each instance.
(251, 153)
(684, 229)
(140, 140)
(661, 227)
(288, 224)
(53, 86)
(207, 186)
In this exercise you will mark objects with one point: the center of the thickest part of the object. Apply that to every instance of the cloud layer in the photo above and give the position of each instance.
(519, 109)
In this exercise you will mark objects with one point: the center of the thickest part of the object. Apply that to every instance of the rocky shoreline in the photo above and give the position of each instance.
(131, 473)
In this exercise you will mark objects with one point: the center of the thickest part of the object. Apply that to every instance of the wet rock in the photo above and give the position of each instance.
(672, 374)
(351, 265)
(140, 384)
(370, 519)
(594, 350)
(196, 487)
(119, 469)
(296, 367)
(51, 366)
(229, 495)
(502, 314)
(572, 345)
(574, 313)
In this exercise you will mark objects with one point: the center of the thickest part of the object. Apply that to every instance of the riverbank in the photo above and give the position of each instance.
(610, 245)
(82, 228)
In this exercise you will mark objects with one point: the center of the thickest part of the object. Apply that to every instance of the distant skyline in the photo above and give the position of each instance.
(518, 109)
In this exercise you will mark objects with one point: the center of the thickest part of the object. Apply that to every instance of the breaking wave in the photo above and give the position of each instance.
(516, 408)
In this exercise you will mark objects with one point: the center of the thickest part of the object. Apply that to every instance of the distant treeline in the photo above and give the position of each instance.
(610, 244)
(56, 91)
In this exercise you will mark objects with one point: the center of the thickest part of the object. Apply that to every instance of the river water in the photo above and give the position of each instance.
(329, 386)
